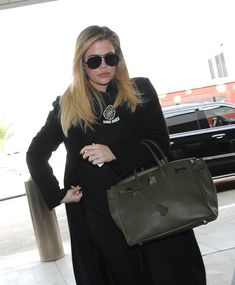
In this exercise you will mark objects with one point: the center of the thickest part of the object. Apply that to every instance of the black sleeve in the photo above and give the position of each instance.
(152, 125)
(40, 150)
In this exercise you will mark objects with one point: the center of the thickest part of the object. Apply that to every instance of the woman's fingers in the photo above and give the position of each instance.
(75, 189)
(97, 153)
(76, 193)
(73, 195)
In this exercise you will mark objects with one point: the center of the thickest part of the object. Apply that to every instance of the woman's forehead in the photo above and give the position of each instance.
(100, 47)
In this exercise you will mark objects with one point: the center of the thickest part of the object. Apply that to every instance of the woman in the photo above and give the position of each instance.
(102, 118)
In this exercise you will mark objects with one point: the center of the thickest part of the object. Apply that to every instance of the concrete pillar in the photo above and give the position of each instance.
(45, 225)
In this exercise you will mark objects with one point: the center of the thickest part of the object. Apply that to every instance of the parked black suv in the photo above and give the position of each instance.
(204, 130)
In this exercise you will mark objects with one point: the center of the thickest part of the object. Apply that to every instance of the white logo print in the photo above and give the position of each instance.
(109, 114)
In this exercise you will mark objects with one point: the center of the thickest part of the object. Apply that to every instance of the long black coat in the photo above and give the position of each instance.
(123, 134)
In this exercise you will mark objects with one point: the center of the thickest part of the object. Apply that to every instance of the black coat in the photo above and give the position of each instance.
(123, 134)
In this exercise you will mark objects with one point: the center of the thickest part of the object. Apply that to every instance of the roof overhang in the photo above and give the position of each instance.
(6, 4)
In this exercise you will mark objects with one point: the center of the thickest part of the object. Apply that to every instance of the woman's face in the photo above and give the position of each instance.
(101, 76)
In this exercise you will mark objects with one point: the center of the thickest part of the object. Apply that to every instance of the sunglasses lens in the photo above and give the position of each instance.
(94, 62)
(111, 59)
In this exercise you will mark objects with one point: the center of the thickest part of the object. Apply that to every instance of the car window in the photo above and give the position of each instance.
(220, 115)
(178, 123)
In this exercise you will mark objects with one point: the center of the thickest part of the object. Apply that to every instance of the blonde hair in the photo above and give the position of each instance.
(76, 103)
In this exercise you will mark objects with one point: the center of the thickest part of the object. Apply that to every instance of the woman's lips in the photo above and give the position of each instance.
(104, 74)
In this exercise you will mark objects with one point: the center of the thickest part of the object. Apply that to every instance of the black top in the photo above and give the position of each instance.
(120, 129)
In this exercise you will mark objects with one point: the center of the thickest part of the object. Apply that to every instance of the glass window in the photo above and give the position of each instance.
(220, 116)
(212, 72)
(182, 122)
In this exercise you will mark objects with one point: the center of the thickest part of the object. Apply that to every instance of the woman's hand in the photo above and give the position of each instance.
(97, 153)
(73, 195)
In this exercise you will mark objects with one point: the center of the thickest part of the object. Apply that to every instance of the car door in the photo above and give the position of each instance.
(221, 132)
(187, 139)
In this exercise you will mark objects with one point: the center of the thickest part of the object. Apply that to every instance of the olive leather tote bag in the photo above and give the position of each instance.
(171, 197)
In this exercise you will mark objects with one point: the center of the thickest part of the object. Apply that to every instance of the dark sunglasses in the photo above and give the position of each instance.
(111, 59)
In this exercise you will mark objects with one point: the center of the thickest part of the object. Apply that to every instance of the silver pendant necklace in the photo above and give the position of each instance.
(109, 113)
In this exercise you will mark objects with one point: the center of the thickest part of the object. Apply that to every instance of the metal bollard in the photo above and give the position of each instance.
(45, 225)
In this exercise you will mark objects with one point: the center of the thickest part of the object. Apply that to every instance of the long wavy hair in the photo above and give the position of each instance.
(76, 103)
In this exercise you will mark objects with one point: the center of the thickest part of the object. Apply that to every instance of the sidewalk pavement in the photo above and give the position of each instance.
(20, 262)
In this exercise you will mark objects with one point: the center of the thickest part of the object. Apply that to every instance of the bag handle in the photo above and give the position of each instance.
(158, 161)
(158, 148)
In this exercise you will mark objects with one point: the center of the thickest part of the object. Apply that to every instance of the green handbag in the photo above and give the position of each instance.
(164, 200)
